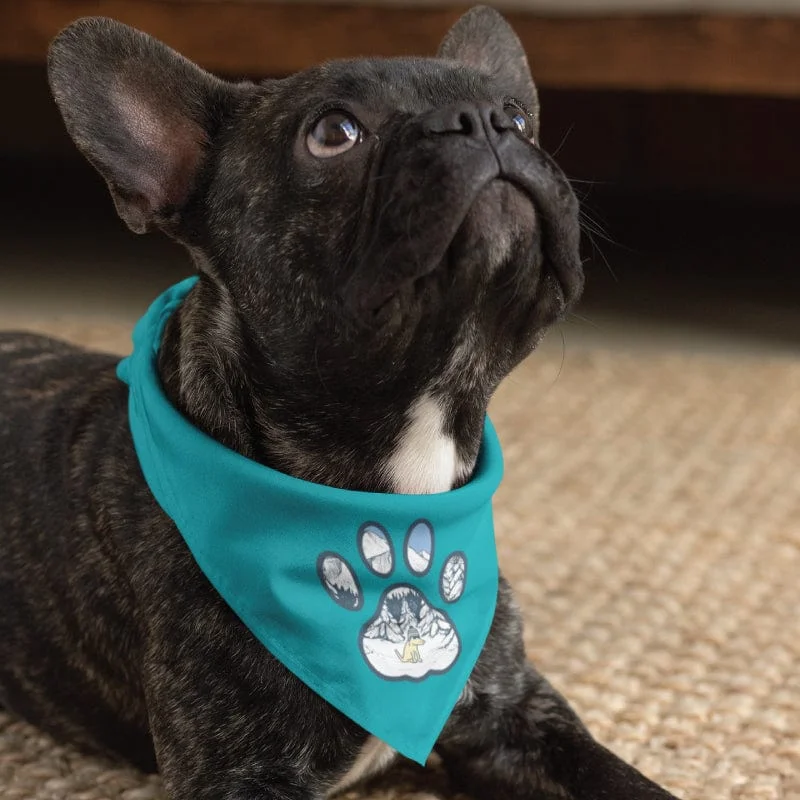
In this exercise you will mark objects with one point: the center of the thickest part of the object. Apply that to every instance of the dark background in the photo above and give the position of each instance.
(691, 207)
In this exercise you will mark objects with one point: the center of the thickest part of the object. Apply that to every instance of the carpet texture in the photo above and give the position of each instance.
(650, 522)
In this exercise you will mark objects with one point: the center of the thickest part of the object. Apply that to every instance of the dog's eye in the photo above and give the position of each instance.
(332, 134)
(521, 120)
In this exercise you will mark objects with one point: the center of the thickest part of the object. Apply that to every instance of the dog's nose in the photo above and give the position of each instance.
(475, 120)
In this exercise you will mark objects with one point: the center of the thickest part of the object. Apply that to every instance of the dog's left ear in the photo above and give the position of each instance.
(143, 115)
(483, 40)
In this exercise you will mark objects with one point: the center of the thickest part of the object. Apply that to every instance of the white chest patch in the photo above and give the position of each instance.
(424, 460)
(375, 756)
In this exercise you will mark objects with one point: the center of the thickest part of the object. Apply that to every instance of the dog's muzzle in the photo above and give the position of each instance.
(473, 144)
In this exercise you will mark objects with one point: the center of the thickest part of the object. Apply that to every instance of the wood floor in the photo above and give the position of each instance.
(702, 53)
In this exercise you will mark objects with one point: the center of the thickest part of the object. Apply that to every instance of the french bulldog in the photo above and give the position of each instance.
(378, 242)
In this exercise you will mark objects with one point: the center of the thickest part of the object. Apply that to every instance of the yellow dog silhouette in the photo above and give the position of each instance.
(411, 652)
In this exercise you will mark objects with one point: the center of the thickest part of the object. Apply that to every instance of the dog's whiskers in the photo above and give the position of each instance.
(563, 141)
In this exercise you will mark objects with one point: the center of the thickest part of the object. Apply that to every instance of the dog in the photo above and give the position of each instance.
(379, 242)
(411, 648)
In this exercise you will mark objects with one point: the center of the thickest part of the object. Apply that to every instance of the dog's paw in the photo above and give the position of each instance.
(407, 638)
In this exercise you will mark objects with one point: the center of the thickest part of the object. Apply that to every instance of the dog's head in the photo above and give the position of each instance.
(374, 230)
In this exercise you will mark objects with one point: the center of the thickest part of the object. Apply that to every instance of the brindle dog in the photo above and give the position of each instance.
(379, 242)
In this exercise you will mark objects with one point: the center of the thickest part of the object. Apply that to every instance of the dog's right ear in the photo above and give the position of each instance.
(484, 40)
(142, 114)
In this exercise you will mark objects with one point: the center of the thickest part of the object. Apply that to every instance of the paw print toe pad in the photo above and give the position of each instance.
(453, 578)
(340, 581)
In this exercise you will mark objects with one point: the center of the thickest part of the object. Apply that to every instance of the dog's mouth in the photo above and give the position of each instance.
(375, 298)
(552, 197)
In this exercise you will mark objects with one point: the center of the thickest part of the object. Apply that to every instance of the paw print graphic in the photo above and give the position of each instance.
(407, 638)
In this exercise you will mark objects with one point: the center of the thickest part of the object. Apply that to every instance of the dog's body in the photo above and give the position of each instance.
(360, 297)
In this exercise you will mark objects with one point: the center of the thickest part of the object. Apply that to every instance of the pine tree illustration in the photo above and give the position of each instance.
(453, 578)
(347, 598)
(414, 604)
(394, 605)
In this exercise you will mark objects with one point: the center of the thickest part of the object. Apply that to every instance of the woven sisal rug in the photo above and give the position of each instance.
(650, 521)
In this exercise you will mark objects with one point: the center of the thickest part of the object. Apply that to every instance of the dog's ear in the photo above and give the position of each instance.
(483, 40)
(142, 114)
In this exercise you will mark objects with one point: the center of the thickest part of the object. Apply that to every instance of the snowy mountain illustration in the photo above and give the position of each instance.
(376, 550)
(418, 547)
(419, 561)
(407, 637)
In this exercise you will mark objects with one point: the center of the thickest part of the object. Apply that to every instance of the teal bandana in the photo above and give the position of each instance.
(380, 603)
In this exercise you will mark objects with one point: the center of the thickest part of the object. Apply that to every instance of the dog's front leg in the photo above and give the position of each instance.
(229, 722)
(197, 762)
(513, 737)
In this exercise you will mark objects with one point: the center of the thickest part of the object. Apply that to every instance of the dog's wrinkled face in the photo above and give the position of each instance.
(375, 227)
(403, 205)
